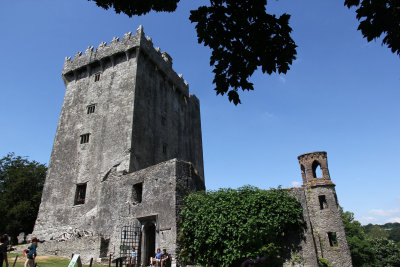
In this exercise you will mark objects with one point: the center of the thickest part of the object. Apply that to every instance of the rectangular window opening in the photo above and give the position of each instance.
(97, 77)
(80, 194)
(332, 239)
(322, 202)
(85, 138)
(137, 190)
(90, 108)
(163, 121)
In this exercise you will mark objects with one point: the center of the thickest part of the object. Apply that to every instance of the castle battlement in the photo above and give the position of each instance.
(130, 46)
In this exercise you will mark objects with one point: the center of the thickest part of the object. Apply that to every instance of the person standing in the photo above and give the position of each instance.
(32, 253)
(133, 256)
(3, 250)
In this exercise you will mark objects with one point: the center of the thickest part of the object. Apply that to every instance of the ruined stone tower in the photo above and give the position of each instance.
(128, 147)
(325, 236)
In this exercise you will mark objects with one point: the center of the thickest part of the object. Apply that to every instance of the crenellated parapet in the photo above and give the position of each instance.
(119, 50)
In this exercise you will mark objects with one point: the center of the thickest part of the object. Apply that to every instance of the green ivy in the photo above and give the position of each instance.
(228, 226)
(322, 262)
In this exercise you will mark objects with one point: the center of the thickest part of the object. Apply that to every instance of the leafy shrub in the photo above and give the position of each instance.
(228, 226)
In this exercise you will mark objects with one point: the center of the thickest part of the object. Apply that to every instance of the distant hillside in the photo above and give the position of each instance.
(388, 230)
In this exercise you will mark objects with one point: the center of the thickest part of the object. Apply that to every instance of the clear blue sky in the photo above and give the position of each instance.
(341, 96)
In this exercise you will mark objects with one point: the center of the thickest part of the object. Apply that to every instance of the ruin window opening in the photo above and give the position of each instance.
(90, 108)
(316, 168)
(85, 138)
(80, 194)
(97, 77)
(104, 244)
(163, 121)
(332, 239)
(164, 148)
(322, 202)
(137, 191)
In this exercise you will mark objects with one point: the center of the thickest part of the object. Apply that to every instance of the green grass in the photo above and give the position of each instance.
(45, 261)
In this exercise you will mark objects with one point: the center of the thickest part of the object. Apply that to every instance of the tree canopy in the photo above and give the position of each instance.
(228, 226)
(377, 18)
(244, 37)
(369, 245)
(21, 185)
(392, 230)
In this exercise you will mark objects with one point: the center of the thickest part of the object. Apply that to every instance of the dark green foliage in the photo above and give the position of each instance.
(386, 252)
(392, 230)
(379, 17)
(372, 248)
(351, 226)
(360, 247)
(394, 233)
(377, 232)
(226, 227)
(361, 251)
(322, 262)
(21, 185)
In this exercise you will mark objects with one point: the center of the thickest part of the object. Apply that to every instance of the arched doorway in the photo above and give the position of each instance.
(149, 242)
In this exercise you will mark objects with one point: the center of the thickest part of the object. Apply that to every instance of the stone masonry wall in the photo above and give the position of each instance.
(319, 223)
(166, 117)
(307, 246)
(328, 220)
(109, 144)
(162, 188)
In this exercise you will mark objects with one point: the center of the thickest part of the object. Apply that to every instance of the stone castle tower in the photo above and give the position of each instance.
(325, 236)
(128, 147)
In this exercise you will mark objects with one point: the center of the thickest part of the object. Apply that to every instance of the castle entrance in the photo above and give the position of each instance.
(149, 244)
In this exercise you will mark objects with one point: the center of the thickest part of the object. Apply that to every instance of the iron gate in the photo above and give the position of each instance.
(130, 238)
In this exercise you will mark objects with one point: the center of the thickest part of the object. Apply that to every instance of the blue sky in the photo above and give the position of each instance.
(340, 96)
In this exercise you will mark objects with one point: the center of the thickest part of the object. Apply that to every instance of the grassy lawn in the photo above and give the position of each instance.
(44, 261)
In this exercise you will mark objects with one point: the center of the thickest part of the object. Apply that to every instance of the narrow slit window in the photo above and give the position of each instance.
(165, 148)
(332, 239)
(322, 202)
(80, 194)
(137, 190)
(91, 108)
(85, 138)
(97, 77)
(163, 121)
